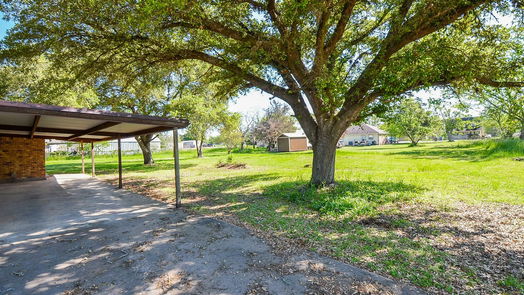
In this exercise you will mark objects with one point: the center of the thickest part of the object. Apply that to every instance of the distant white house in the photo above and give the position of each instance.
(187, 144)
(53, 146)
(129, 146)
(363, 134)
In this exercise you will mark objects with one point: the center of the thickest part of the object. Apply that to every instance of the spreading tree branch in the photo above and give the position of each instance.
(426, 21)
(493, 83)
(275, 18)
(347, 11)
(225, 31)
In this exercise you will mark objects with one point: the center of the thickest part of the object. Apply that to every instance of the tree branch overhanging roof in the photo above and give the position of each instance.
(19, 119)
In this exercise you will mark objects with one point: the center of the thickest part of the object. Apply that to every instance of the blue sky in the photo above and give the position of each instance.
(4, 26)
(253, 102)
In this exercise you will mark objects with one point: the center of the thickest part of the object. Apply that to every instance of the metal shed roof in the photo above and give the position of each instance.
(293, 135)
(73, 124)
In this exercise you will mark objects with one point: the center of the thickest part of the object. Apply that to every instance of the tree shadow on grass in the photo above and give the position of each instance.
(105, 168)
(352, 222)
(221, 186)
(474, 242)
(353, 197)
(325, 220)
(456, 153)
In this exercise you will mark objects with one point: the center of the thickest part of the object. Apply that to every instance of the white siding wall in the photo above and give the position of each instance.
(346, 139)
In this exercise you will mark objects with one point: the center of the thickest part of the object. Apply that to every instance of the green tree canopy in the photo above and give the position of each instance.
(410, 119)
(450, 112)
(230, 132)
(36, 80)
(205, 113)
(506, 106)
(150, 94)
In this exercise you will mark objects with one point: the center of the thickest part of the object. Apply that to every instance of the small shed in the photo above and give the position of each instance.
(291, 142)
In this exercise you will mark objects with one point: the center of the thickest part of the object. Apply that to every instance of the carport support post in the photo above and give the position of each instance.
(119, 163)
(92, 159)
(82, 153)
(177, 167)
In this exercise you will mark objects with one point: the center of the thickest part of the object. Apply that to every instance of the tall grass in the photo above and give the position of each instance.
(504, 147)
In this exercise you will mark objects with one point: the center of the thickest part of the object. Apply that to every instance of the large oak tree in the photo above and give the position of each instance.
(333, 61)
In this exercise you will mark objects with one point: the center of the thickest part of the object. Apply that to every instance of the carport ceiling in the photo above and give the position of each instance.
(72, 124)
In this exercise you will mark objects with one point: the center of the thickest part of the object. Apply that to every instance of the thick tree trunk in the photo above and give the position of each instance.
(522, 131)
(324, 152)
(144, 141)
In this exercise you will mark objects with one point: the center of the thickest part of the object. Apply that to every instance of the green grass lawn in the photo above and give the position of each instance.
(367, 218)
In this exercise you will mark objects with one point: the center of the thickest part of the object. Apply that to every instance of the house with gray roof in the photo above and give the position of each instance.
(363, 134)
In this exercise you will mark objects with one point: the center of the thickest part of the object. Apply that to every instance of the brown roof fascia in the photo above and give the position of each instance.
(49, 110)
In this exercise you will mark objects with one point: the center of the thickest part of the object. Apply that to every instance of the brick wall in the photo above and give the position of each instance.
(22, 158)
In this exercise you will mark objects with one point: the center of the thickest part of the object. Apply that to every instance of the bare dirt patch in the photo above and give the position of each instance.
(485, 239)
(232, 165)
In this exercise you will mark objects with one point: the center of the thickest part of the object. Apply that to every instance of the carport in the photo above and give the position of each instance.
(24, 127)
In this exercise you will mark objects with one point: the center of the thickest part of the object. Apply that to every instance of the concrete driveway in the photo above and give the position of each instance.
(71, 234)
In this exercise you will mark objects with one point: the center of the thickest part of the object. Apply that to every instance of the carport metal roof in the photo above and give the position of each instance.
(19, 119)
